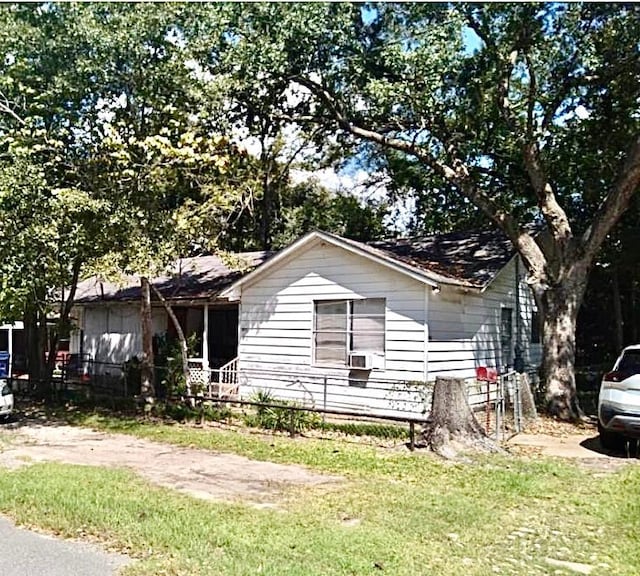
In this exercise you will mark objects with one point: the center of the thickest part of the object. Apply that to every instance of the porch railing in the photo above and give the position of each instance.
(214, 383)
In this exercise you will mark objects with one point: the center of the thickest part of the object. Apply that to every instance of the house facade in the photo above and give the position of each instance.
(335, 323)
(364, 325)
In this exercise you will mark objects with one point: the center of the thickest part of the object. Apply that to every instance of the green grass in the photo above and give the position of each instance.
(396, 513)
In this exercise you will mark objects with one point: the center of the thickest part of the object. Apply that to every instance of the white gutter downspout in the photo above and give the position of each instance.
(239, 329)
(426, 333)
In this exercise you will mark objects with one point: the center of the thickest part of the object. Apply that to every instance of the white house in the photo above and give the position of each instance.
(332, 322)
(355, 326)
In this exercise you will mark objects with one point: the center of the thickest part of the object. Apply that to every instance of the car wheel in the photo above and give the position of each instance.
(610, 440)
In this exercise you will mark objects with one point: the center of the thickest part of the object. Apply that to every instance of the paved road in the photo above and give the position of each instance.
(25, 553)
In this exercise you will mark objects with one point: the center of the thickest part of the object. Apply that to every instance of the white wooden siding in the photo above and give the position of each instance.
(276, 328)
(465, 327)
(276, 314)
(113, 334)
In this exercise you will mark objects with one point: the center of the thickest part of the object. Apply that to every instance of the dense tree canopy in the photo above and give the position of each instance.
(120, 127)
(117, 152)
(528, 111)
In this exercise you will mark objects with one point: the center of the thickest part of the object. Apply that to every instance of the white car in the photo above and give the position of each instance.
(619, 400)
(6, 399)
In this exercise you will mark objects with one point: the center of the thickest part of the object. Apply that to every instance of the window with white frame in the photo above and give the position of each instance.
(344, 326)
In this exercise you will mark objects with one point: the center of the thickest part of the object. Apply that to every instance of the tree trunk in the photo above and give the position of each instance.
(35, 341)
(618, 322)
(452, 424)
(63, 325)
(560, 305)
(184, 351)
(147, 388)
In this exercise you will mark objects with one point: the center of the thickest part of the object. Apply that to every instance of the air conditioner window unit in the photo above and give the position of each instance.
(361, 360)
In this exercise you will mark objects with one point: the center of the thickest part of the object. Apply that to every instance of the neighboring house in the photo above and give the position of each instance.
(108, 314)
(337, 318)
(12, 342)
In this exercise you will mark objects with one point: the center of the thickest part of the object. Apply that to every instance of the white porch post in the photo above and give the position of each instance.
(205, 338)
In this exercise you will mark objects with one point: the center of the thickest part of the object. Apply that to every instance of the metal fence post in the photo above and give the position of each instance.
(412, 435)
(517, 404)
(499, 407)
(487, 424)
(292, 430)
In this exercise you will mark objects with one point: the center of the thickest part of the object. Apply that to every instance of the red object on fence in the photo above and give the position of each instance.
(484, 374)
(490, 376)
(62, 357)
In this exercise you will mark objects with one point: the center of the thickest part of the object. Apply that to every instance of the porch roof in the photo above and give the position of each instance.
(196, 278)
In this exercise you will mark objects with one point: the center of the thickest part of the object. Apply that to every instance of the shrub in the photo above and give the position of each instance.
(279, 415)
(212, 412)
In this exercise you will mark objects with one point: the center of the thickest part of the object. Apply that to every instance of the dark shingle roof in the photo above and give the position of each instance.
(196, 278)
(469, 258)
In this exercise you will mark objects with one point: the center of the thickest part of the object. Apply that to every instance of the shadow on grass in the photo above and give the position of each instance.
(35, 413)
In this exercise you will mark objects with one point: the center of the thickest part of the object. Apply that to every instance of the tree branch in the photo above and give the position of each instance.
(616, 202)
(531, 96)
(6, 108)
(554, 215)
(457, 174)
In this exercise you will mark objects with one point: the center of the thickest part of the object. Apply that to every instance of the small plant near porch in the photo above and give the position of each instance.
(279, 415)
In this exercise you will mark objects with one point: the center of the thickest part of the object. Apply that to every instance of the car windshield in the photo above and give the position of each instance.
(630, 362)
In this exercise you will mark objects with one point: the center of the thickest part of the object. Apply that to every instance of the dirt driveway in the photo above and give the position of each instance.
(218, 476)
(200, 473)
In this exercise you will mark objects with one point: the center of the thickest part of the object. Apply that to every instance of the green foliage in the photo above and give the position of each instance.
(279, 415)
(169, 366)
(524, 113)
(182, 411)
(311, 207)
(178, 411)
(133, 375)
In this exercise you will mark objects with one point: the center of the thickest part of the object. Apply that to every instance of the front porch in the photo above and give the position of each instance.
(212, 331)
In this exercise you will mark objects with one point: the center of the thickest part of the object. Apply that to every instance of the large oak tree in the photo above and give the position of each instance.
(528, 111)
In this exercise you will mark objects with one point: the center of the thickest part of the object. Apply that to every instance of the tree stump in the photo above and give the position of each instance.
(529, 412)
(452, 427)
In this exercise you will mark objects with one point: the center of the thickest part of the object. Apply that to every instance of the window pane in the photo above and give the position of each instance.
(369, 307)
(367, 325)
(330, 342)
(331, 315)
(535, 327)
(373, 342)
(331, 347)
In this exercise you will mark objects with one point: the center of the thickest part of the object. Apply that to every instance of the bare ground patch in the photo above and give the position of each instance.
(579, 442)
(200, 473)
